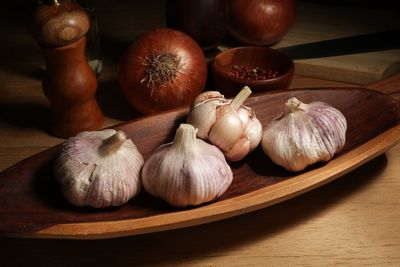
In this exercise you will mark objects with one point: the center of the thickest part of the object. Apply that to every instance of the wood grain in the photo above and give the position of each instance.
(73, 105)
(360, 60)
(42, 212)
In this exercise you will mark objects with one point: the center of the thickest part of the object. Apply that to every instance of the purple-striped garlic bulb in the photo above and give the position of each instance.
(99, 169)
(304, 134)
(188, 171)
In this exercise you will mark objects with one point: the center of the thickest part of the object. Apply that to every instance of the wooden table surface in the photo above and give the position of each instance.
(354, 220)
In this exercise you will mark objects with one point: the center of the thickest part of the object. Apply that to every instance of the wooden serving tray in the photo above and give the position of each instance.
(31, 204)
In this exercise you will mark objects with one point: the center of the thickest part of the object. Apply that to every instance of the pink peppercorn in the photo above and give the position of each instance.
(252, 73)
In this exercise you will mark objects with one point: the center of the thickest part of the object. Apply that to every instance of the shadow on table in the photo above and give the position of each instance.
(113, 104)
(27, 115)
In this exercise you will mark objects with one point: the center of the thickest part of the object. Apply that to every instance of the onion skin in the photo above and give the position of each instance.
(189, 81)
(260, 22)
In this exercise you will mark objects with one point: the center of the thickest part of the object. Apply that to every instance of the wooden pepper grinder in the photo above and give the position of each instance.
(69, 83)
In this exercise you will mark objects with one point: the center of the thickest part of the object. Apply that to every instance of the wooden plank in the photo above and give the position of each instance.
(318, 22)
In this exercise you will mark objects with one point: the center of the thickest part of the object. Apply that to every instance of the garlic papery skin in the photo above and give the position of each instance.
(226, 123)
(253, 130)
(99, 169)
(203, 112)
(304, 134)
(186, 172)
(209, 97)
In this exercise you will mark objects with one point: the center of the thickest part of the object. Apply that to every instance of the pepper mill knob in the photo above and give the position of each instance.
(59, 24)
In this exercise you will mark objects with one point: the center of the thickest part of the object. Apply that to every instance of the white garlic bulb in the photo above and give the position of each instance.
(99, 169)
(187, 171)
(226, 123)
(304, 134)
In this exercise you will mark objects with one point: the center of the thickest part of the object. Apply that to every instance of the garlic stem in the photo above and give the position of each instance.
(292, 105)
(112, 143)
(240, 98)
(185, 136)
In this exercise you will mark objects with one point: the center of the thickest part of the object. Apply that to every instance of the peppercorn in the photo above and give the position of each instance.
(252, 73)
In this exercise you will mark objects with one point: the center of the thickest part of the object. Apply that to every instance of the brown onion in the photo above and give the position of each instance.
(163, 69)
(260, 22)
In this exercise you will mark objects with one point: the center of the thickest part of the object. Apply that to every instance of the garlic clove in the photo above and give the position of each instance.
(187, 171)
(244, 115)
(226, 130)
(228, 126)
(203, 116)
(203, 112)
(239, 150)
(99, 169)
(253, 132)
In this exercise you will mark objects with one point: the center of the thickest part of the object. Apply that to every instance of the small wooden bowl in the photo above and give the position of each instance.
(252, 56)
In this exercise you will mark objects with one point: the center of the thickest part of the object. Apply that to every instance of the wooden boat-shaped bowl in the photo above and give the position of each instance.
(31, 204)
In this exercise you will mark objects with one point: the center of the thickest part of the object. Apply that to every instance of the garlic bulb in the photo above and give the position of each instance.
(187, 171)
(99, 169)
(304, 134)
(226, 123)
